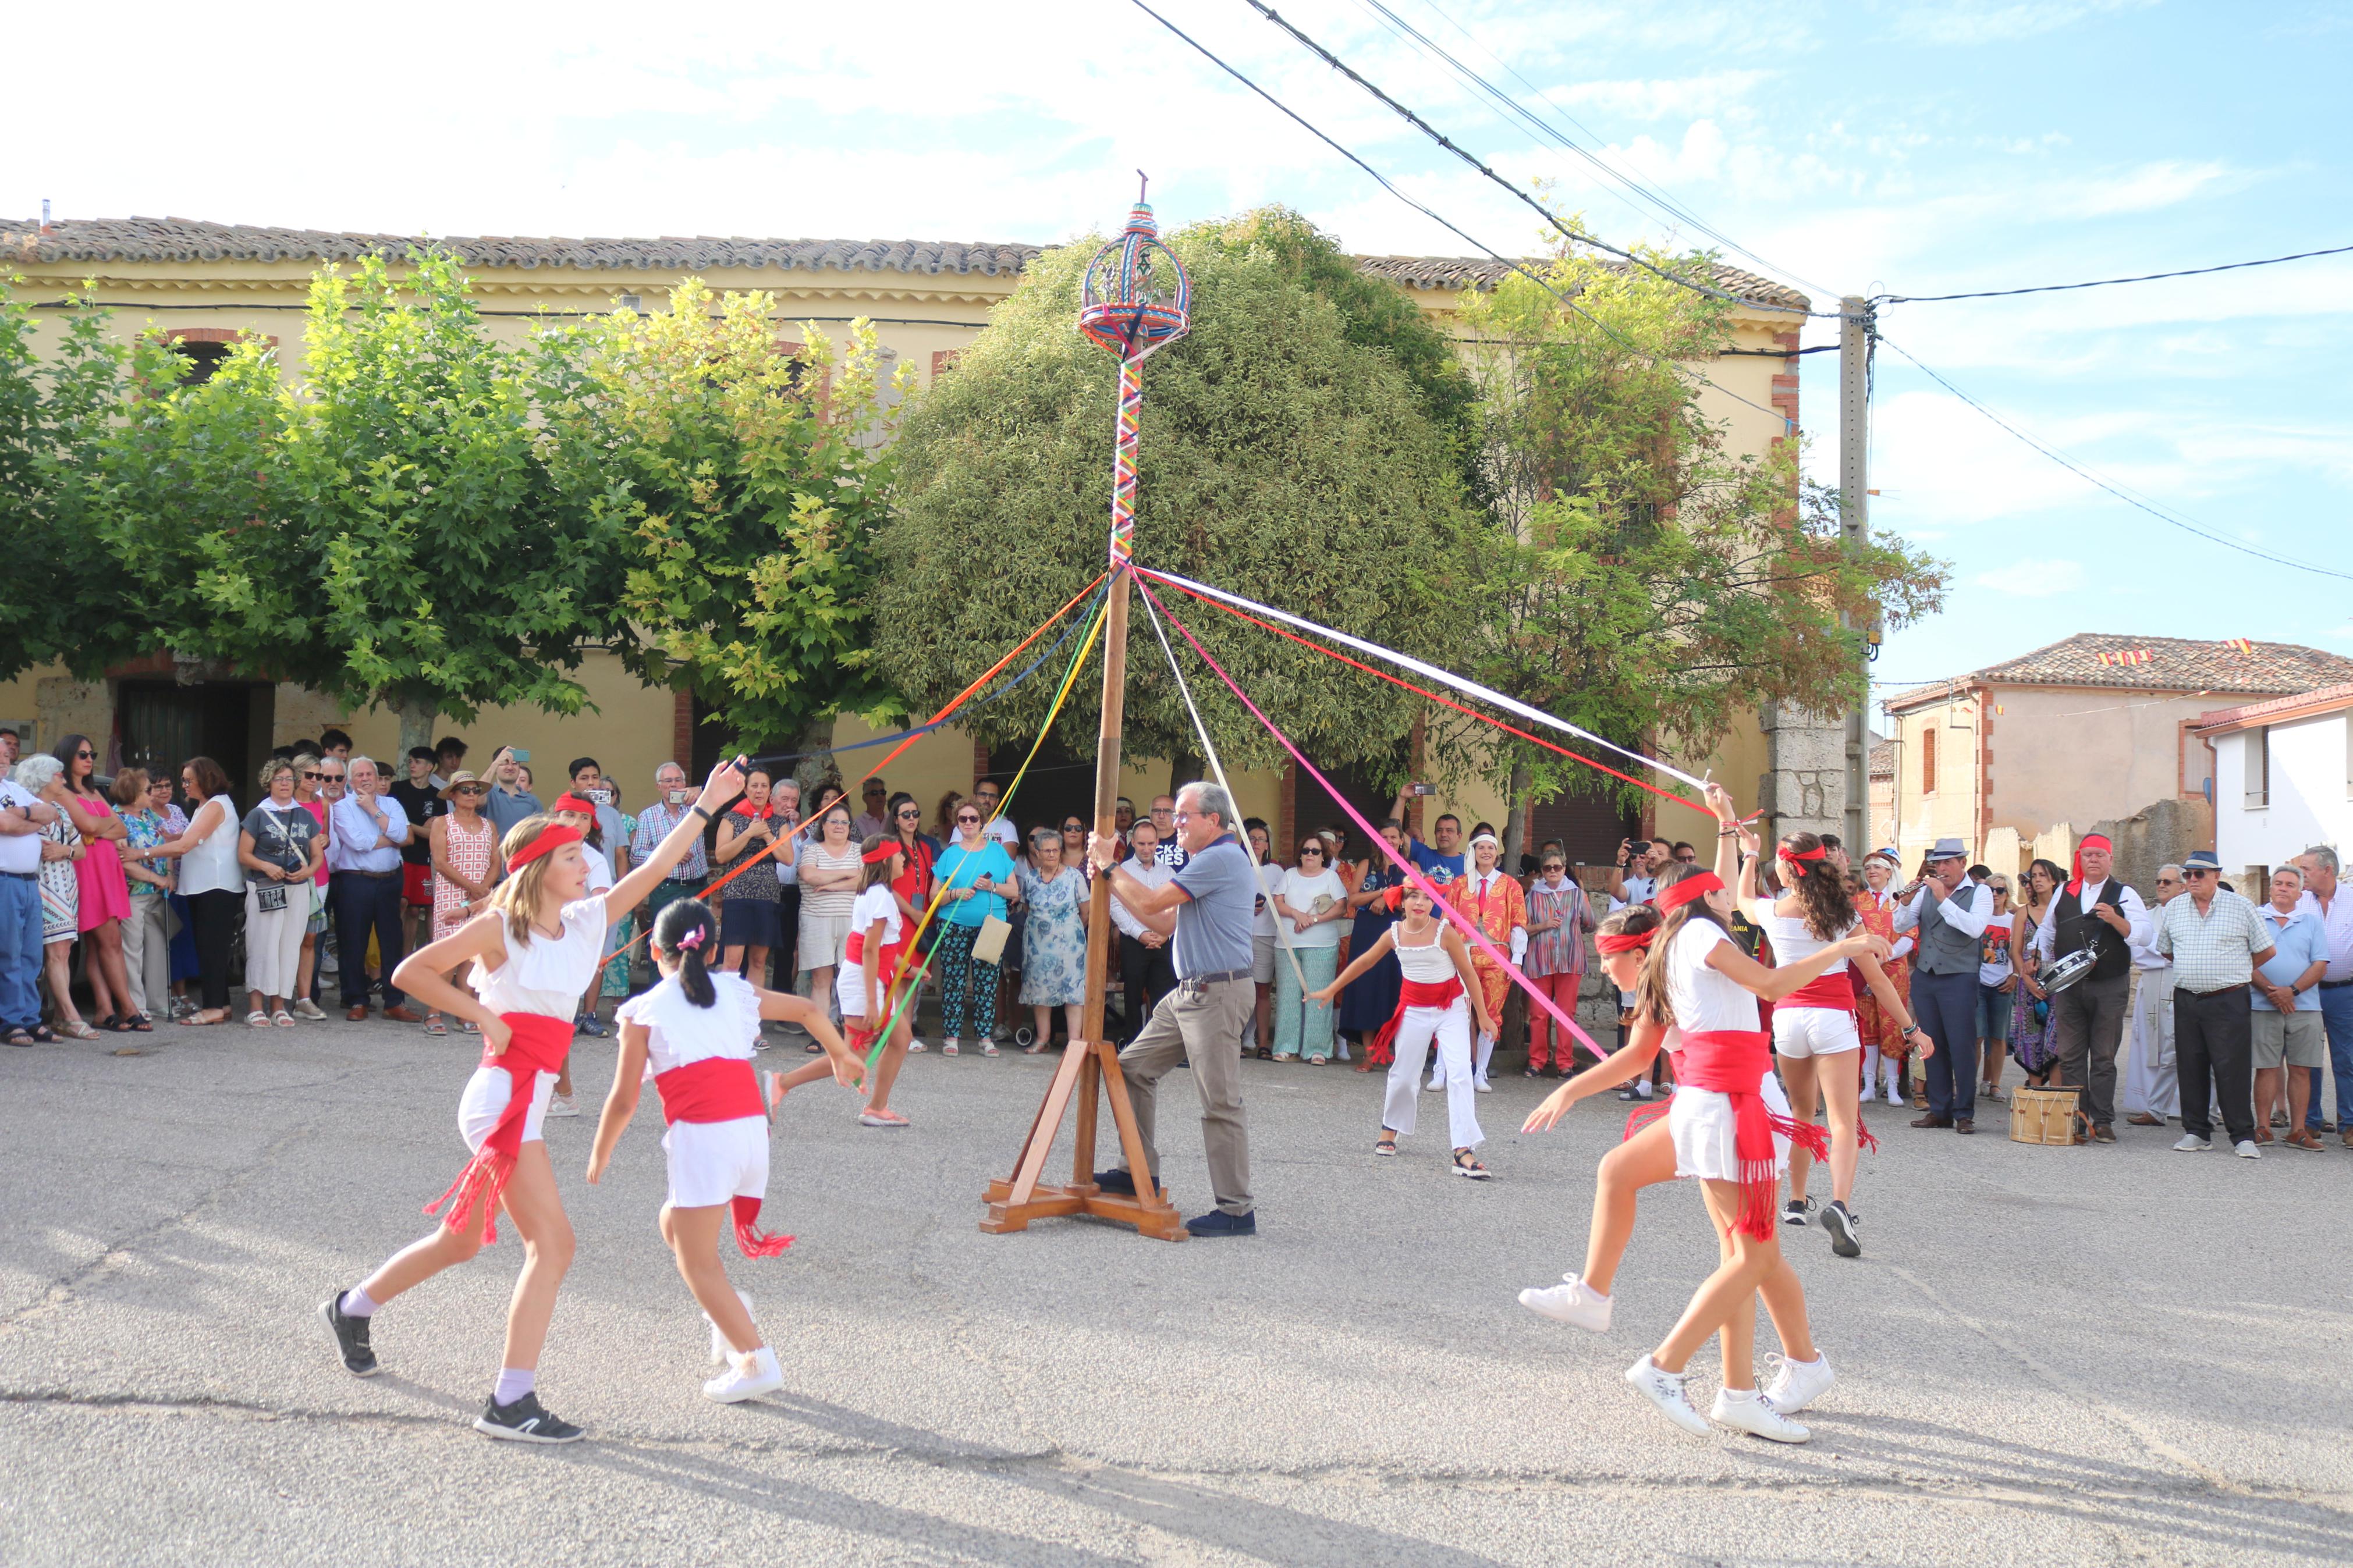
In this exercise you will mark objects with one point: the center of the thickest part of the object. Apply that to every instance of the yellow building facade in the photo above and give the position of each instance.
(204, 284)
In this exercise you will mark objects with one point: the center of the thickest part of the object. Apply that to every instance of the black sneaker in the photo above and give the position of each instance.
(524, 1421)
(350, 1337)
(1840, 1224)
(1218, 1221)
(1116, 1181)
(1797, 1212)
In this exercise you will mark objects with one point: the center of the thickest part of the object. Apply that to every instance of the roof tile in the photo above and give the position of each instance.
(2171, 664)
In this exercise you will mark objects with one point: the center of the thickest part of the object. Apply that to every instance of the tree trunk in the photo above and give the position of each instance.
(416, 716)
(1185, 767)
(819, 775)
(1515, 803)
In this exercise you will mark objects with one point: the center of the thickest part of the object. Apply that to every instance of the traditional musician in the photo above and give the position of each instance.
(1886, 1046)
(1499, 908)
(2098, 914)
(1949, 912)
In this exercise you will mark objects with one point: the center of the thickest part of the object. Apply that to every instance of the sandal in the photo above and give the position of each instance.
(197, 1020)
(111, 1024)
(18, 1038)
(78, 1030)
(140, 1023)
(282, 1018)
(42, 1035)
(1466, 1164)
(434, 1026)
(1386, 1144)
(258, 1020)
(813, 1049)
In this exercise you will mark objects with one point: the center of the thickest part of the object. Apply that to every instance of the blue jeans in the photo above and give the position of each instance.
(20, 952)
(2337, 1012)
(1947, 1007)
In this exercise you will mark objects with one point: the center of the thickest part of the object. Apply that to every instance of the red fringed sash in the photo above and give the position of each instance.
(537, 1044)
(720, 1089)
(886, 962)
(1410, 994)
(1732, 1063)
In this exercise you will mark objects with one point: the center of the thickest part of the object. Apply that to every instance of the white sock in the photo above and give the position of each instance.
(356, 1303)
(1870, 1068)
(1736, 1394)
(1479, 1060)
(514, 1383)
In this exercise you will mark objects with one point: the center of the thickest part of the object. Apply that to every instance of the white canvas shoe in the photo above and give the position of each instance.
(1745, 1412)
(1571, 1301)
(1797, 1384)
(1665, 1390)
(748, 1377)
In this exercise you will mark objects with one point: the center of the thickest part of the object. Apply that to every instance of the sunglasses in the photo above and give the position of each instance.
(314, 774)
(2200, 871)
(1074, 827)
(1313, 850)
(1556, 866)
(86, 754)
(909, 814)
(472, 789)
(968, 822)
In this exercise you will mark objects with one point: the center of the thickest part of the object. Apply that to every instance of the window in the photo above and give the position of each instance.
(203, 359)
(2258, 760)
(1929, 757)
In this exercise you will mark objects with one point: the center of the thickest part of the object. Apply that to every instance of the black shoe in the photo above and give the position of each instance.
(1120, 1181)
(350, 1337)
(1841, 1225)
(524, 1421)
(1218, 1221)
(1798, 1213)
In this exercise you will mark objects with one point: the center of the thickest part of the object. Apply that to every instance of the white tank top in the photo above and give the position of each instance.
(1704, 1000)
(547, 974)
(1794, 942)
(211, 867)
(1427, 965)
(679, 1032)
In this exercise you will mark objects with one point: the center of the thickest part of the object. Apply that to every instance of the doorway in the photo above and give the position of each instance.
(160, 724)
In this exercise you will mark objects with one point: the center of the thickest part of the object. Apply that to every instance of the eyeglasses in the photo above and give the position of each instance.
(1556, 866)
(315, 775)
(1164, 811)
(1074, 827)
(472, 789)
(85, 755)
(968, 822)
(1311, 849)
(909, 814)
(2168, 882)
(1686, 859)
(2202, 871)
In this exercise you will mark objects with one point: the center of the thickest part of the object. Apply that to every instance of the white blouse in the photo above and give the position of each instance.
(547, 974)
(1704, 1000)
(679, 1032)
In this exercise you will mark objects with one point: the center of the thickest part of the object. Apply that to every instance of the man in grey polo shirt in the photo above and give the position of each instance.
(1207, 906)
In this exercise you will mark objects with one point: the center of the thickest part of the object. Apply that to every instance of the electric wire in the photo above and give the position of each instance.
(2106, 283)
(1521, 267)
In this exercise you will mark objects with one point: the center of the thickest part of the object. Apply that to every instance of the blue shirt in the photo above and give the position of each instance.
(1213, 926)
(961, 868)
(1439, 869)
(2300, 944)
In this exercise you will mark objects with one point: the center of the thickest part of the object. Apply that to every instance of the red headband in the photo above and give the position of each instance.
(1795, 855)
(1625, 941)
(1394, 900)
(881, 852)
(567, 801)
(1681, 893)
(551, 837)
(2091, 840)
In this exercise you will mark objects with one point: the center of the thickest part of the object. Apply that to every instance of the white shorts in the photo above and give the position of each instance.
(1814, 1031)
(711, 1161)
(1701, 1123)
(1262, 959)
(486, 1097)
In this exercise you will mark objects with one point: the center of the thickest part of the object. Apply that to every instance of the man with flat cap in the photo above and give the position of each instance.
(1949, 913)
(2216, 941)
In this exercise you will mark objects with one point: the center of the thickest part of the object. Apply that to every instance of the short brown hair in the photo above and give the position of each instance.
(211, 779)
(129, 785)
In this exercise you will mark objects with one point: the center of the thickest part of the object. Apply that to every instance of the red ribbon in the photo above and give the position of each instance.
(1681, 893)
(2075, 886)
(1625, 941)
(551, 837)
(572, 803)
(1796, 857)
(1732, 1063)
(1412, 994)
(883, 852)
(537, 1044)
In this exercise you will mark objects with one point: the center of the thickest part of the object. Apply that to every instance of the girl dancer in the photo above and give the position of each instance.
(1814, 1027)
(694, 1034)
(533, 951)
(1437, 981)
(867, 986)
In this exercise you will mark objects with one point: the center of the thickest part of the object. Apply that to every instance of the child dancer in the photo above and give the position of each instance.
(1439, 980)
(534, 951)
(694, 1034)
(1814, 1027)
(866, 986)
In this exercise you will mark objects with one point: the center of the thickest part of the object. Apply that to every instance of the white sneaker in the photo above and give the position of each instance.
(2191, 1144)
(1665, 1390)
(719, 1348)
(1797, 1384)
(1344, 1056)
(1745, 1412)
(2246, 1150)
(749, 1376)
(1483, 1085)
(1436, 1083)
(1572, 1301)
(560, 1105)
(306, 1009)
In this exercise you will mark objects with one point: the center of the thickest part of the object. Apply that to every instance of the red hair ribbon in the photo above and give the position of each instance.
(1797, 856)
(567, 801)
(2090, 839)
(551, 837)
(1394, 900)
(883, 852)
(1625, 941)
(1676, 896)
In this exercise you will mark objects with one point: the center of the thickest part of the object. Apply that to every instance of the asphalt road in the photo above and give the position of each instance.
(2047, 1356)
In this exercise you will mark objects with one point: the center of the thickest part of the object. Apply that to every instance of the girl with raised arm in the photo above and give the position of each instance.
(533, 951)
(694, 1034)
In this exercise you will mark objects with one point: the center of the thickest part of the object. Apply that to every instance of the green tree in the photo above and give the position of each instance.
(1289, 453)
(747, 483)
(1651, 582)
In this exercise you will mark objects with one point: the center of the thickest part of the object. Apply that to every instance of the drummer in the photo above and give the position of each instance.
(2097, 914)
(1949, 912)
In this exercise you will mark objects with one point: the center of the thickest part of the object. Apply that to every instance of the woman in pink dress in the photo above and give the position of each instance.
(105, 891)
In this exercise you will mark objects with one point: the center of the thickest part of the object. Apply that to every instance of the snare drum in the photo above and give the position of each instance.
(2066, 972)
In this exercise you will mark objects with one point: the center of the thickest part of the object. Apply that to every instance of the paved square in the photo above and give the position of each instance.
(2047, 1356)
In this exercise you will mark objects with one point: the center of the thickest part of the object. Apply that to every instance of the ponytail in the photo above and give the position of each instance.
(685, 930)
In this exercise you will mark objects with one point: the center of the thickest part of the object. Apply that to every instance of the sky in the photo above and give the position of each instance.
(1895, 148)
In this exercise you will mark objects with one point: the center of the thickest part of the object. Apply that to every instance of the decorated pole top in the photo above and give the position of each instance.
(1137, 297)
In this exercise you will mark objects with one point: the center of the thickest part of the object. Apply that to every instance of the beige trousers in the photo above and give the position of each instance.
(1203, 1025)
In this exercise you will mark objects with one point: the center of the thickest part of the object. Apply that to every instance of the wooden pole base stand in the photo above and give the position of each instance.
(1013, 1203)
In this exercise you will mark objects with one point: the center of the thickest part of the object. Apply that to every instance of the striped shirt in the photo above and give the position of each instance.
(2218, 948)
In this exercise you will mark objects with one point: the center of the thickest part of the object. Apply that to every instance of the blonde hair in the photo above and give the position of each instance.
(517, 898)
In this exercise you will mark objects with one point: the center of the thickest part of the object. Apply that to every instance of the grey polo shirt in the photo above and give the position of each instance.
(1213, 927)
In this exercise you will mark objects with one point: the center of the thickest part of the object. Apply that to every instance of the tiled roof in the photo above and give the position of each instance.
(187, 240)
(1485, 272)
(2303, 704)
(2153, 664)
(1883, 760)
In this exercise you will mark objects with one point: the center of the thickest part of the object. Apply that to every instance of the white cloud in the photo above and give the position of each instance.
(1976, 21)
(2034, 579)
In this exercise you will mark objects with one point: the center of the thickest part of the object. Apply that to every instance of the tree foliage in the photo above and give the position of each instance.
(1288, 453)
(1652, 583)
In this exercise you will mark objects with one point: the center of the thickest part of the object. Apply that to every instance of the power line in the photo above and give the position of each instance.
(1383, 181)
(2115, 489)
(1426, 128)
(2105, 282)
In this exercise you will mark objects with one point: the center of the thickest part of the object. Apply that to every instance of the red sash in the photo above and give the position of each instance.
(1732, 1063)
(1832, 991)
(886, 962)
(538, 1045)
(1410, 994)
(720, 1089)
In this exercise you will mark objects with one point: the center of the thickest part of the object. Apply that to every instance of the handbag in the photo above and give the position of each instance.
(989, 945)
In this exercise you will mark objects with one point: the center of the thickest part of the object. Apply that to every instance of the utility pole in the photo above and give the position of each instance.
(1854, 522)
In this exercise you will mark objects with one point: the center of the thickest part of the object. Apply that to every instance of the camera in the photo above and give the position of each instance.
(1421, 789)
(675, 797)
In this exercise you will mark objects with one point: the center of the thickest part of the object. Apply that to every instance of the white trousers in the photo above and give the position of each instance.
(2149, 1082)
(274, 941)
(1451, 1030)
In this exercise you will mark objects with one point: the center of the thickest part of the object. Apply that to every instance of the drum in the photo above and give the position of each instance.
(2065, 972)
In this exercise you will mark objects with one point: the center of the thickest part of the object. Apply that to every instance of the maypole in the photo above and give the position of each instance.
(1137, 301)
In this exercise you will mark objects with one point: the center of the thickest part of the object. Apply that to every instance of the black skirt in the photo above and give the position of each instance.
(750, 923)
